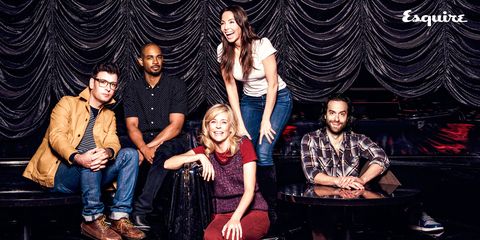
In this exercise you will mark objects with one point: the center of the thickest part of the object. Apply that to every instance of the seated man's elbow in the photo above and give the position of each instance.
(177, 127)
(131, 131)
(386, 165)
(310, 179)
(178, 130)
(382, 165)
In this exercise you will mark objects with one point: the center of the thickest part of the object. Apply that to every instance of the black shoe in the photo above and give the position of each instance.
(140, 222)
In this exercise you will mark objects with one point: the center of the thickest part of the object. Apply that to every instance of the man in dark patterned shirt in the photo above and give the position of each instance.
(155, 109)
(331, 156)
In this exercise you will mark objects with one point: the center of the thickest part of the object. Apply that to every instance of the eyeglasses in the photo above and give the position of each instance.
(104, 83)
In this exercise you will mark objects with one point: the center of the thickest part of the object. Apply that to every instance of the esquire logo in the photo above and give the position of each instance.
(429, 19)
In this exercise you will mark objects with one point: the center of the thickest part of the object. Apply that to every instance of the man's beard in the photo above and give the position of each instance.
(155, 74)
(337, 132)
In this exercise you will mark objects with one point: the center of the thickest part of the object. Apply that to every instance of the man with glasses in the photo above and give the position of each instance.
(155, 108)
(81, 153)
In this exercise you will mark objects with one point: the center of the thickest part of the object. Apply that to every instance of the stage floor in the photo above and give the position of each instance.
(65, 225)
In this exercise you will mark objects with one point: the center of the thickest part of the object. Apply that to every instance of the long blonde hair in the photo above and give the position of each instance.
(232, 138)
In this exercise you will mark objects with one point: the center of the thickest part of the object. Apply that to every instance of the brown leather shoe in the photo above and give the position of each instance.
(99, 229)
(124, 227)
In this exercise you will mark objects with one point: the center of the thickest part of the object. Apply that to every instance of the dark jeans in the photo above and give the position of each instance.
(143, 204)
(75, 178)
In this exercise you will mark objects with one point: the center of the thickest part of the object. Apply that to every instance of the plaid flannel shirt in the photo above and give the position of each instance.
(319, 156)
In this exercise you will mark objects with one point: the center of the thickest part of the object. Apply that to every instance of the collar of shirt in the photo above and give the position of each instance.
(147, 85)
(324, 137)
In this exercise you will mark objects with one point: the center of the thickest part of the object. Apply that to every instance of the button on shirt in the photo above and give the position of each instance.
(319, 156)
(153, 105)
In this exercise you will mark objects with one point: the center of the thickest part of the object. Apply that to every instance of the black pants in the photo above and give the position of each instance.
(143, 204)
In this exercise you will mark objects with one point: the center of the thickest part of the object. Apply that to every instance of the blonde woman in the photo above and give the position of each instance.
(228, 160)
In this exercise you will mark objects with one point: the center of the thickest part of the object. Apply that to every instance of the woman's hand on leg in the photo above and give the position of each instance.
(232, 230)
(266, 131)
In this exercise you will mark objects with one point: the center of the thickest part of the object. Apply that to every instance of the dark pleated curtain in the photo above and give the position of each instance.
(48, 48)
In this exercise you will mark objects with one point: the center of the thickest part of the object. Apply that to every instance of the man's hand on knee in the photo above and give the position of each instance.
(94, 159)
(84, 159)
(148, 153)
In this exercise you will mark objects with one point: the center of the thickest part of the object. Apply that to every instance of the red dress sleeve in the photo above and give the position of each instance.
(199, 149)
(247, 151)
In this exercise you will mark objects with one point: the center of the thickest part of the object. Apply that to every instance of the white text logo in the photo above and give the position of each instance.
(429, 19)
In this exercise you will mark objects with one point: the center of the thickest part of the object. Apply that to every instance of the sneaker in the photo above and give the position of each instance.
(99, 229)
(427, 224)
(125, 228)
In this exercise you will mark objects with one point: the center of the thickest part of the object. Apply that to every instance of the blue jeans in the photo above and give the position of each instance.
(75, 178)
(252, 110)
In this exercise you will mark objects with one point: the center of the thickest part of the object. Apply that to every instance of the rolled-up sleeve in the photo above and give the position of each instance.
(374, 153)
(309, 157)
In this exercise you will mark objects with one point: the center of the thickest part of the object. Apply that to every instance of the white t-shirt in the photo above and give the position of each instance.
(256, 84)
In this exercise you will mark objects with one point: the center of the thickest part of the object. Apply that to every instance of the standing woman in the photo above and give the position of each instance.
(266, 103)
(229, 160)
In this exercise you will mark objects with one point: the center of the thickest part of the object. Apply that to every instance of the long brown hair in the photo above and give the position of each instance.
(232, 138)
(247, 38)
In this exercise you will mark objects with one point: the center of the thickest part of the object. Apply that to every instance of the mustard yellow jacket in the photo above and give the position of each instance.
(68, 122)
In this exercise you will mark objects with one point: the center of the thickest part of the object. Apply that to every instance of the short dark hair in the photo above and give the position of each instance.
(342, 98)
(108, 67)
(148, 45)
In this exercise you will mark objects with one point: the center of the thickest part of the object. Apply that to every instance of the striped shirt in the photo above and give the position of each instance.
(319, 156)
(87, 141)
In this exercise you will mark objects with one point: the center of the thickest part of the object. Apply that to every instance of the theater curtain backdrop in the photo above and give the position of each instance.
(48, 48)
